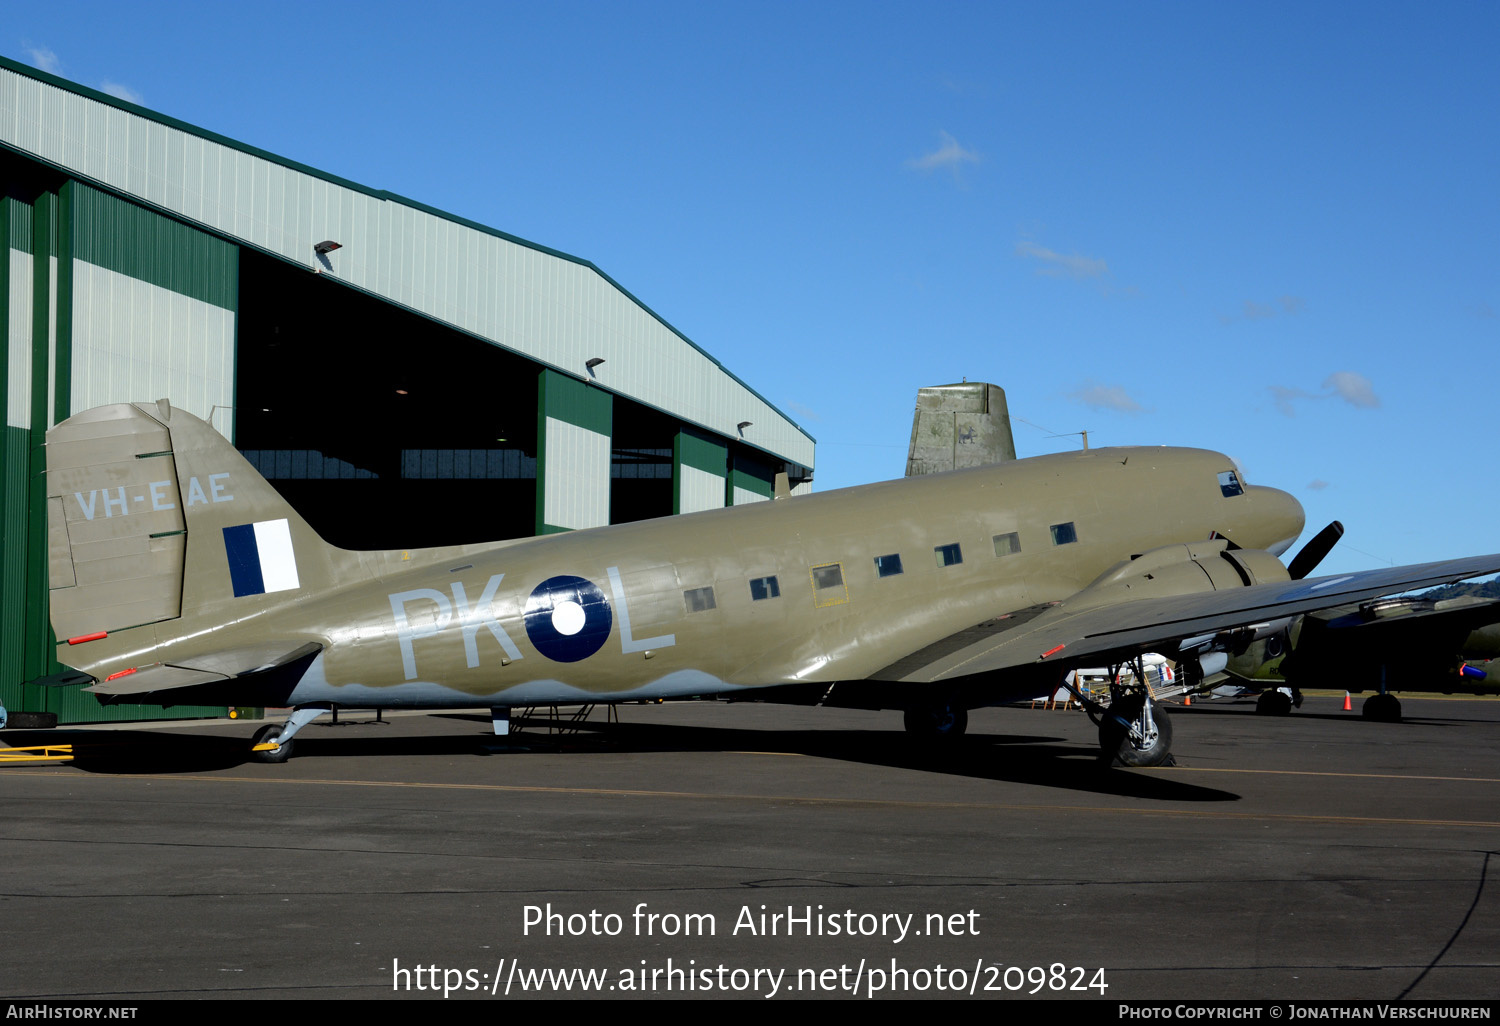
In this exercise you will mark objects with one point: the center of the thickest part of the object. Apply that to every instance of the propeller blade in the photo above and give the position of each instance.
(1313, 552)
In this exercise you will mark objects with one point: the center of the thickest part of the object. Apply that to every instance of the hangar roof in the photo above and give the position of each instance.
(554, 308)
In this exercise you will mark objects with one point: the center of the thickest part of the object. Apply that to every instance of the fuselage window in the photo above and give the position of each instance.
(1007, 544)
(1229, 484)
(764, 588)
(699, 599)
(828, 585)
(948, 555)
(888, 566)
(1064, 534)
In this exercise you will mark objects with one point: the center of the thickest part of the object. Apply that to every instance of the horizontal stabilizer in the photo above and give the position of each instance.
(209, 668)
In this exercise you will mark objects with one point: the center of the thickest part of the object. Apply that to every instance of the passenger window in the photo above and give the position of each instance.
(948, 555)
(1007, 544)
(1064, 534)
(764, 588)
(699, 599)
(828, 585)
(888, 566)
(1229, 484)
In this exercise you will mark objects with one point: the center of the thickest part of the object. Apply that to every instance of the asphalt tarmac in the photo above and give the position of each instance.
(746, 849)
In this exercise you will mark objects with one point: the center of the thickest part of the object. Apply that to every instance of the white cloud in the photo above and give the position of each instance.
(45, 59)
(805, 412)
(1284, 397)
(949, 155)
(1057, 265)
(119, 91)
(1252, 310)
(1354, 389)
(1105, 397)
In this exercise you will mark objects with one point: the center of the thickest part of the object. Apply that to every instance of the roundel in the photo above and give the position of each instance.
(567, 618)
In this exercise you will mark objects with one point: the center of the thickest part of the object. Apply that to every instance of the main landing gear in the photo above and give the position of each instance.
(274, 744)
(1277, 702)
(1382, 708)
(1133, 729)
(937, 722)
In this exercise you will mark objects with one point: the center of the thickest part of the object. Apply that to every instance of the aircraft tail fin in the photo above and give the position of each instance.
(964, 425)
(153, 515)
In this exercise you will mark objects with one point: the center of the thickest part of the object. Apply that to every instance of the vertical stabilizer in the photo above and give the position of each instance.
(153, 515)
(965, 425)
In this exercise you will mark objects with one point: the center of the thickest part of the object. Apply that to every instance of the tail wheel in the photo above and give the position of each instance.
(279, 754)
(1146, 741)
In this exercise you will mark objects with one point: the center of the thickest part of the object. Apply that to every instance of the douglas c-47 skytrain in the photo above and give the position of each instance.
(178, 575)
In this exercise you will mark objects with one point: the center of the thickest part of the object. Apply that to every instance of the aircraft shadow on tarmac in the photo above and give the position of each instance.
(1354, 719)
(1017, 758)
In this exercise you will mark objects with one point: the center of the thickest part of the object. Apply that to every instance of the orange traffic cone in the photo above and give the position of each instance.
(1187, 699)
(1348, 703)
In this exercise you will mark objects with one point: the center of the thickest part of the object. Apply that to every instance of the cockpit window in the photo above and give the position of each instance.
(1229, 484)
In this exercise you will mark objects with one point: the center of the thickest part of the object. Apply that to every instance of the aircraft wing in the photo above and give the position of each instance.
(1094, 626)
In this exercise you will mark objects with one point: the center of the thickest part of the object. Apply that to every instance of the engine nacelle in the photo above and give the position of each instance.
(1184, 570)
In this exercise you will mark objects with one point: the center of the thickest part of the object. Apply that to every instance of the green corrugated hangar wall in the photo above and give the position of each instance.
(103, 302)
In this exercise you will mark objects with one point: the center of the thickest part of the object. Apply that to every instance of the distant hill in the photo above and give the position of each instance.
(1483, 589)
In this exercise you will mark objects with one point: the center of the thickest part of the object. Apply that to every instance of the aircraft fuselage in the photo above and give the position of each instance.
(816, 588)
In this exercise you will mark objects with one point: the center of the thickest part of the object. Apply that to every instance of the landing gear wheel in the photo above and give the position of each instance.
(1148, 740)
(1382, 708)
(1273, 703)
(264, 734)
(936, 722)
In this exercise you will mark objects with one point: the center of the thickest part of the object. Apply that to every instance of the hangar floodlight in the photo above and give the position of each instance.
(326, 246)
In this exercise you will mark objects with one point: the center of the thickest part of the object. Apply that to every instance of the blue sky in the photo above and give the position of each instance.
(1267, 229)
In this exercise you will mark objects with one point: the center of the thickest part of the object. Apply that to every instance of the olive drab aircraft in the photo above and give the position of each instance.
(178, 575)
(1407, 643)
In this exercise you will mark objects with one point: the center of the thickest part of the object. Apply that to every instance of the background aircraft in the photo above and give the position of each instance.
(179, 575)
(1409, 643)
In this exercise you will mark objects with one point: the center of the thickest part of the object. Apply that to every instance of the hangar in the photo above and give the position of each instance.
(364, 351)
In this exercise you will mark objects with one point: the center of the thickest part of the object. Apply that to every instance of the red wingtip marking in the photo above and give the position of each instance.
(122, 673)
(1053, 651)
(88, 637)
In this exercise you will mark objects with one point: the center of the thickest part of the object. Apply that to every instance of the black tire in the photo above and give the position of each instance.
(22, 720)
(1382, 708)
(265, 734)
(936, 722)
(1118, 743)
(1273, 703)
